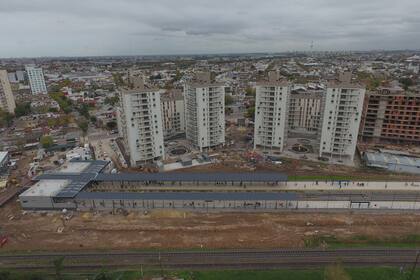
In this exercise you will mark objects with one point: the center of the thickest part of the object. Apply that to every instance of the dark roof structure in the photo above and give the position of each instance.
(223, 196)
(195, 177)
(93, 173)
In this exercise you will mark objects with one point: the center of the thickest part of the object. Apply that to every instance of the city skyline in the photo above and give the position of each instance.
(105, 28)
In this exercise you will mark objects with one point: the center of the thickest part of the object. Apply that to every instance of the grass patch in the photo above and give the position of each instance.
(355, 273)
(362, 241)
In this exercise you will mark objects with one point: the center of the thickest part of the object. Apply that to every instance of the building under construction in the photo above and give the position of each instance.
(391, 114)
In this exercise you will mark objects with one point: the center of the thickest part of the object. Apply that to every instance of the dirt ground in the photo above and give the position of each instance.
(234, 162)
(175, 229)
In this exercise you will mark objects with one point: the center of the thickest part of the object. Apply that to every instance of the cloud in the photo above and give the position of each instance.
(107, 27)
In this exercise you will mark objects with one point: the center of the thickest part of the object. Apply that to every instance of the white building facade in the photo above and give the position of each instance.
(341, 120)
(271, 114)
(7, 100)
(204, 112)
(140, 123)
(36, 80)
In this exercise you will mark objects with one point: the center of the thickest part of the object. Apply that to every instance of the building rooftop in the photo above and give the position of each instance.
(46, 188)
(383, 159)
(189, 195)
(195, 177)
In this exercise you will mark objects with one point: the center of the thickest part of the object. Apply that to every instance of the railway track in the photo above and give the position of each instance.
(250, 259)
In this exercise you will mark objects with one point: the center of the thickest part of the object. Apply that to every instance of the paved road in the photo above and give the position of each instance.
(213, 259)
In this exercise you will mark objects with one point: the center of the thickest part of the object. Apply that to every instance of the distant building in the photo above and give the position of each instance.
(4, 161)
(140, 122)
(173, 112)
(36, 80)
(391, 114)
(7, 100)
(16, 77)
(271, 114)
(341, 118)
(204, 111)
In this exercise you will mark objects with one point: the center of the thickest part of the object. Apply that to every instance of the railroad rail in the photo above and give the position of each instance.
(250, 259)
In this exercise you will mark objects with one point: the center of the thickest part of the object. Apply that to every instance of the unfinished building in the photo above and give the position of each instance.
(391, 114)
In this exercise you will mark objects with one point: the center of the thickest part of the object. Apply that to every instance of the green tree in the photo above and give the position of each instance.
(64, 103)
(111, 125)
(228, 100)
(249, 91)
(178, 76)
(23, 109)
(83, 125)
(250, 113)
(58, 267)
(84, 111)
(46, 141)
(406, 83)
(118, 80)
(93, 119)
(111, 100)
(6, 119)
(5, 275)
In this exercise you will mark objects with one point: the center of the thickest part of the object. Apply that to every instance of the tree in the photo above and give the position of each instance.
(46, 141)
(178, 76)
(406, 82)
(250, 113)
(23, 109)
(118, 80)
(336, 272)
(111, 125)
(83, 125)
(93, 119)
(84, 111)
(62, 100)
(249, 91)
(228, 100)
(111, 100)
(58, 267)
(6, 119)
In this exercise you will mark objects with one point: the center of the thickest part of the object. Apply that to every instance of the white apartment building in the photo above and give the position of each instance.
(328, 118)
(7, 100)
(173, 113)
(271, 114)
(204, 112)
(36, 80)
(341, 118)
(140, 122)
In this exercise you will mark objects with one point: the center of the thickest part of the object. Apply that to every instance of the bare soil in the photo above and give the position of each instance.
(165, 229)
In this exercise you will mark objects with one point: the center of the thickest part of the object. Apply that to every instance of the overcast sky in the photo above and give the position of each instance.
(143, 27)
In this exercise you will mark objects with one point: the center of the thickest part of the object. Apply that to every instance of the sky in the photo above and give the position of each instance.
(33, 28)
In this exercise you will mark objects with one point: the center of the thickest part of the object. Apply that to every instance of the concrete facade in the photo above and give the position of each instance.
(204, 112)
(7, 99)
(139, 119)
(341, 119)
(271, 114)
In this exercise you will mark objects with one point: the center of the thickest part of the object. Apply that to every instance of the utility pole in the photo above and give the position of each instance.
(415, 266)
